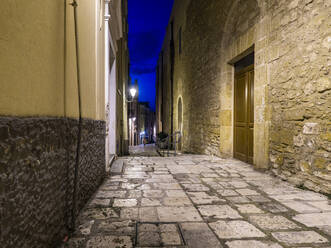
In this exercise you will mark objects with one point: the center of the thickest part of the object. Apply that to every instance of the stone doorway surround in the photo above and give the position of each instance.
(234, 47)
(180, 120)
(180, 114)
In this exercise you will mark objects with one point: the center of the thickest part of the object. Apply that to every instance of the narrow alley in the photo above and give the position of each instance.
(165, 123)
(200, 201)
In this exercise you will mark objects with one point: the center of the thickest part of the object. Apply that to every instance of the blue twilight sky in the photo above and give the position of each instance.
(148, 20)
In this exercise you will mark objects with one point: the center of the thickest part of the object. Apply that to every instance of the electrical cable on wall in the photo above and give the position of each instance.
(75, 5)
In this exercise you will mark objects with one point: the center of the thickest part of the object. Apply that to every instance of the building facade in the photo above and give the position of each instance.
(146, 121)
(117, 78)
(141, 123)
(51, 160)
(250, 79)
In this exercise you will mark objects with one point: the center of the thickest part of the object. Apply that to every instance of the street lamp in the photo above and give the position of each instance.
(130, 99)
(133, 92)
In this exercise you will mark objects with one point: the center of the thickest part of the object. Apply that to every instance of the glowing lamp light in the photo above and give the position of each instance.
(133, 92)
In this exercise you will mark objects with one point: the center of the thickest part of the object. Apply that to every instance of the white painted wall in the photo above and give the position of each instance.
(107, 72)
(112, 112)
(110, 89)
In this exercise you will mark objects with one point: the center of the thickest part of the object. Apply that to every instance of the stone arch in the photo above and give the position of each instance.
(237, 19)
(244, 29)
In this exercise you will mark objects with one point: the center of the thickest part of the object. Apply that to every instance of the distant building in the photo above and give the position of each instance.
(141, 121)
(146, 121)
(116, 78)
(133, 109)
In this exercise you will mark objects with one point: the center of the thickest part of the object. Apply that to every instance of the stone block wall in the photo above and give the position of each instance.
(37, 157)
(292, 86)
(197, 70)
(166, 89)
(300, 92)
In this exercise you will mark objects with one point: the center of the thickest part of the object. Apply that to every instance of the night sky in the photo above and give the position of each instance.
(148, 20)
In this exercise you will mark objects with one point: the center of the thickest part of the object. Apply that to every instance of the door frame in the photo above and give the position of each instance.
(235, 48)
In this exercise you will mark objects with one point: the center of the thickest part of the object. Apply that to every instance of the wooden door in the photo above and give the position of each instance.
(244, 114)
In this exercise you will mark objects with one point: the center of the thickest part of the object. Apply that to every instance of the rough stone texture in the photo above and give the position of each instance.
(180, 214)
(316, 219)
(302, 237)
(252, 244)
(199, 235)
(249, 209)
(273, 222)
(37, 157)
(158, 235)
(218, 212)
(235, 229)
(292, 86)
(300, 95)
(109, 241)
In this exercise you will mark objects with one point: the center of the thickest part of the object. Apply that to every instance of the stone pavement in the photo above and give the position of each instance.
(201, 201)
(147, 151)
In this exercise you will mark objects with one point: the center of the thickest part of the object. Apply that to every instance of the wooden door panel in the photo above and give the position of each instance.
(240, 99)
(240, 140)
(244, 115)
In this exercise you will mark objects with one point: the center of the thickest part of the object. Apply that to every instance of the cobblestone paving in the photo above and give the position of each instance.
(200, 202)
(147, 150)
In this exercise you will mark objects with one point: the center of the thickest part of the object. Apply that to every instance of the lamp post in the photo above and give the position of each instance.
(131, 95)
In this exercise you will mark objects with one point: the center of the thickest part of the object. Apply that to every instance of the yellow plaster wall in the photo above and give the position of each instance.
(31, 58)
(38, 58)
(91, 57)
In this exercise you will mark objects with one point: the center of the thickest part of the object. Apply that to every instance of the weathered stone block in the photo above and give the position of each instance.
(252, 244)
(199, 235)
(319, 163)
(284, 136)
(311, 128)
(110, 241)
(235, 229)
(295, 114)
(273, 52)
(273, 222)
(260, 76)
(302, 237)
(226, 117)
(305, 166)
